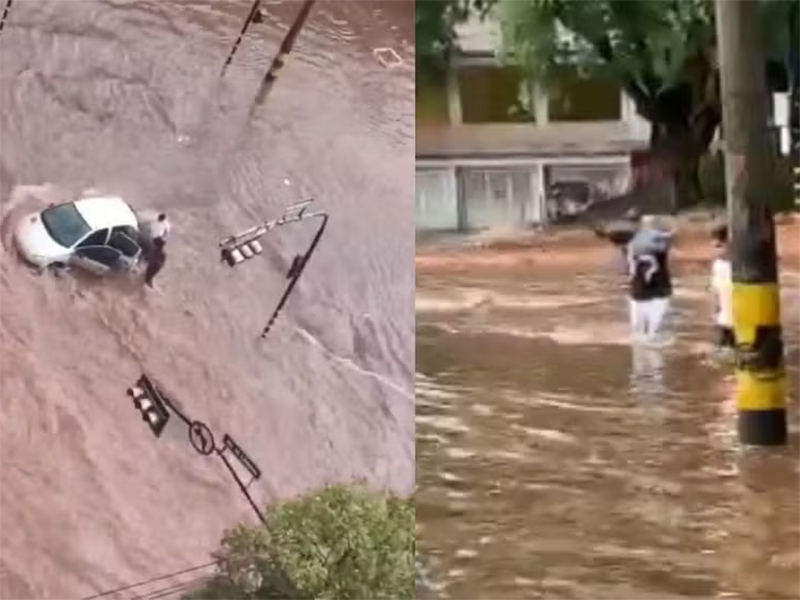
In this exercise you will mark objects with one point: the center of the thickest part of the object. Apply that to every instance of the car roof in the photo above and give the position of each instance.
(106, 211)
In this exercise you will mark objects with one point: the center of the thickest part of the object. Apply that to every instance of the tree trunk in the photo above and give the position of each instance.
(677, 152)
(686, 179)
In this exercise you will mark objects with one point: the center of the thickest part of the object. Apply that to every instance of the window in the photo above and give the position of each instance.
(500, 196)
(577, 98)
(431, 102)
(65, 224)
(101, 254)
(123, 239)
(98, 238)
(131, 232)
(498, 183)
(491, 94)
(474, 182)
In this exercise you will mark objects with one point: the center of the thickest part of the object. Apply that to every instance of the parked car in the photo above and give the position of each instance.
(567, 199)
(98, 234)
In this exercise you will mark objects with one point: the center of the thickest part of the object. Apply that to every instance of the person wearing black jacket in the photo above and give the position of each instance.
(645, 250)
(650, 283)
(650, 292)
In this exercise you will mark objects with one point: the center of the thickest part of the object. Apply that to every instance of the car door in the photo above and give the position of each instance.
(97, 259)
(124, 239)
(96, 238)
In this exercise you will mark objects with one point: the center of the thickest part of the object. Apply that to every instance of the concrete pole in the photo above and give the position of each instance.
(283, 52)
(749, 168)
(5, 14)
(794, 96)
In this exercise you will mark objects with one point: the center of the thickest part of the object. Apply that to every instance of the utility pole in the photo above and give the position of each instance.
(5, 13)
(286, 47)
(749, 168)
(794, 96)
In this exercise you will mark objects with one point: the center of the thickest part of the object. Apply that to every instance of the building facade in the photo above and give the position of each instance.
(495, 152)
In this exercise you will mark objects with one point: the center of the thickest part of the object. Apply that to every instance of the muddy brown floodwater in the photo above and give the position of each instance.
(123, 96)
(556, 461)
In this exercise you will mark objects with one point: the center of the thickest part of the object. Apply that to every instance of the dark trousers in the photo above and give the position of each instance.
(154, 265)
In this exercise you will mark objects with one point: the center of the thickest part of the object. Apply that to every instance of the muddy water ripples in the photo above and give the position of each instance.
(122, 96)
(556, 462)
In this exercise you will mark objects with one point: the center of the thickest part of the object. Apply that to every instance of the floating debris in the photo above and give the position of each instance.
(388, 57)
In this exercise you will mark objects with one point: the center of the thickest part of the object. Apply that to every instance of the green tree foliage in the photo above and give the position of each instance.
(340, 543)
(662, 53)
(435, 35)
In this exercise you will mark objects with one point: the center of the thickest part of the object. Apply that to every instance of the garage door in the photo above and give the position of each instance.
(436, 201)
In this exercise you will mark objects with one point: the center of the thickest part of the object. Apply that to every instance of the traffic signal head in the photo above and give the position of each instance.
(234, 255)
(147, 401)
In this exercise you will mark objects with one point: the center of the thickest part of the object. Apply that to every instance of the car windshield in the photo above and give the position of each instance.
(65, 224)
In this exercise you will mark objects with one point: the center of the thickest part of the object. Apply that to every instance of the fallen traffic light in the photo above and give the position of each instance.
(238, 248)
(295, 271)
(156, 409)
(237, 254)
(147, 400)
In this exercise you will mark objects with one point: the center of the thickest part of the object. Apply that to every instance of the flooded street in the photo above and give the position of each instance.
(123, 96)
(554, 461)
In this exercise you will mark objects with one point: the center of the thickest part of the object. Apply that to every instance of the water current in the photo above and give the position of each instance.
(556, 461)
(123, 96)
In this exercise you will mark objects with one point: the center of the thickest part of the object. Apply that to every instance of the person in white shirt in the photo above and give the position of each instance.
(722, 287)
(159, 229)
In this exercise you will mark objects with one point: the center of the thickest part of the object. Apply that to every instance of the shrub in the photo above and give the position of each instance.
(341, 542)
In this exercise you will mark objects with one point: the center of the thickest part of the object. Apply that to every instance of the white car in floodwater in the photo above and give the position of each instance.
(98, 234)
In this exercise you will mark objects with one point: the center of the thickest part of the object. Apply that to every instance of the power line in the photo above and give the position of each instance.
(151, 580)
(186, 586)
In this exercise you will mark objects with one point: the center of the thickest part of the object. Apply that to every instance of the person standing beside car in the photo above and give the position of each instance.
(155, 261)
(160, 228)
(154, 226)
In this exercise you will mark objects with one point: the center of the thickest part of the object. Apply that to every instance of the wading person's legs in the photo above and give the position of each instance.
(638, 318)
(656, 313)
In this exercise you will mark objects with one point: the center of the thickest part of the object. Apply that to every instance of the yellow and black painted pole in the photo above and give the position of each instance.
(749, 169)
(796, 171)
(760, 374)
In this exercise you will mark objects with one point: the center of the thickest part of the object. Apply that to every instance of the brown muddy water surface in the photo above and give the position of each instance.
(556, 461)
(123, 96)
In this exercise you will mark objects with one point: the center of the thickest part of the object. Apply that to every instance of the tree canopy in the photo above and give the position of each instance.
(663, 53)
(435, 30)
(342, 542)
